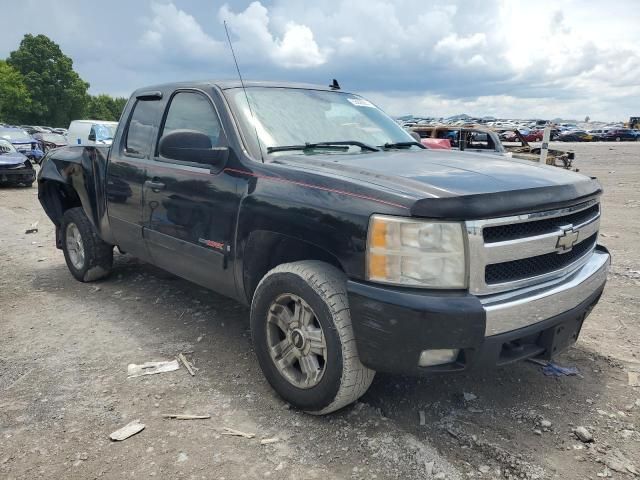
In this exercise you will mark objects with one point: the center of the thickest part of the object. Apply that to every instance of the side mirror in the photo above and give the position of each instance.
(92, 136)
(192, 146)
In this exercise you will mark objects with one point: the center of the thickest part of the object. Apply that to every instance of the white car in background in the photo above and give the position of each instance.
(91, 132)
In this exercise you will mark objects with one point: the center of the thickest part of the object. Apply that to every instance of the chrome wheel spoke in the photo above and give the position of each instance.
(316, 341)
(302, 313)
(280, 316)
(311, 369)
(279, 348)
(288, 356)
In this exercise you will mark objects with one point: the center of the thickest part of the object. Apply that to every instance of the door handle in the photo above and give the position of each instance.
(155, 186)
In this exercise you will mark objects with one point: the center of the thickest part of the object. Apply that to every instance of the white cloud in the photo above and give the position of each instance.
(565, 58)
(173, 32)
(296, 49)
(455, 43)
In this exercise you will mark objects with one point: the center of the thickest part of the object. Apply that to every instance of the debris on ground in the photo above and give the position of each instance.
(545, 423)
(127, 431)
(150, 368)
(634, 380)
(237, 433)
(184, 416)
(422, 418)
(469, 397)
(33, 228)
(268, 441)
(583, 434)
(553, 370)
(187, 364)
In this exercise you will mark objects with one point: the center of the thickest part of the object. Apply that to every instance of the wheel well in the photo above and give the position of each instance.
(267, 250)
(56, 198)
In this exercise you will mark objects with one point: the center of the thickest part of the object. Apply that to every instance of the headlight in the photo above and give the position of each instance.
(406, 251)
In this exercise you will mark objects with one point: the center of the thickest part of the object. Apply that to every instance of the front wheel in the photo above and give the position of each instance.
(88, 257)
(304, 341)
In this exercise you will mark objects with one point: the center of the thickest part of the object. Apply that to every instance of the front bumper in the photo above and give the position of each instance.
(394, 325)
(17, 175)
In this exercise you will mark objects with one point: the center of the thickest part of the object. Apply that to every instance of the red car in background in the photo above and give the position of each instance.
(436, 143)
(529, 135)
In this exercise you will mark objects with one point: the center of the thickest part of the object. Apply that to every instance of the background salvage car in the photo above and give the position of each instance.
(23, 142)
(15, 168)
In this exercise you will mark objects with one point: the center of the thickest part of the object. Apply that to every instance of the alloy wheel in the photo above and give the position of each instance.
(75, 246)
(296, 341)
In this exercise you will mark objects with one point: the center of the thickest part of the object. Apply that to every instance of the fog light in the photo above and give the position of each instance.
(429, 358)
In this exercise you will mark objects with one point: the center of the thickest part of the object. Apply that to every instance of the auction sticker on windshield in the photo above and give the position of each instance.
(361, 102)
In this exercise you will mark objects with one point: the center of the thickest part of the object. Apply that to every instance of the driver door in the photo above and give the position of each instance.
(189, 211)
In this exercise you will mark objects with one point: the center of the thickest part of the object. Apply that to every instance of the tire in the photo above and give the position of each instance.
(96, 257)
(318, 290)
(618, 139)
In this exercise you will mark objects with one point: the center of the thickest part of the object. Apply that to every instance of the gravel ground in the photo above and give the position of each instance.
(64, 387)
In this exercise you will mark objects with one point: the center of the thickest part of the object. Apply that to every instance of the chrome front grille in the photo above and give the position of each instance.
(522, 250)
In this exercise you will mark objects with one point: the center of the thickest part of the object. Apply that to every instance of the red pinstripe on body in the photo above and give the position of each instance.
(317, 187)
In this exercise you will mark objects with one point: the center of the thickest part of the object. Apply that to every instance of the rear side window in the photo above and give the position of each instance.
(193, 111)
(144, 119)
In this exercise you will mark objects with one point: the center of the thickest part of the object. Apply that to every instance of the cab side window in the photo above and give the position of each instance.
(193, 111)
(141, 126)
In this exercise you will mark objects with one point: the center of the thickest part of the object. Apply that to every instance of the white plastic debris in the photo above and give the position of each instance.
(151, 368)
(127, 431)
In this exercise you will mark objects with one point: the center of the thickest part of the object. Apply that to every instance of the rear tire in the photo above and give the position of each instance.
(300, 311)
(88, 257)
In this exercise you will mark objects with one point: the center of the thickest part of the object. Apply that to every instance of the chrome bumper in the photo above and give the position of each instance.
(527, 306)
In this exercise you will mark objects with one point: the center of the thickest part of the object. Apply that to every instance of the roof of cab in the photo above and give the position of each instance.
(227, 84)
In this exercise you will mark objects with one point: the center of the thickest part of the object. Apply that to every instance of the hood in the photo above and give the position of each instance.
(12, 158)
(452, 177)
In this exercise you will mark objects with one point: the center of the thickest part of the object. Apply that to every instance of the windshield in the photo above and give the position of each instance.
(290, 116)
(54, 138)
(103, 132)
(6, 147)
(15, 135)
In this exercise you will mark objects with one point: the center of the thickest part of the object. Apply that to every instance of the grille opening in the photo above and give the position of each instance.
(501, 233)
(534, 266)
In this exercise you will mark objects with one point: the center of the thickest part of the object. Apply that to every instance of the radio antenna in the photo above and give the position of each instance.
(244, 89)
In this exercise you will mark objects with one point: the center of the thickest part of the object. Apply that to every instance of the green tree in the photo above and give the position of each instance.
(15, 101)
(105, 107)
(58, 93)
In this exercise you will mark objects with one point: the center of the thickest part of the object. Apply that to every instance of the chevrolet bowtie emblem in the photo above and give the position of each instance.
(567, 239)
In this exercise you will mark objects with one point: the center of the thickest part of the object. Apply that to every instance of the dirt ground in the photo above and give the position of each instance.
(65, 347)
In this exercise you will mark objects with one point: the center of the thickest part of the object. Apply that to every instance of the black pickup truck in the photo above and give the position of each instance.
(357, 249)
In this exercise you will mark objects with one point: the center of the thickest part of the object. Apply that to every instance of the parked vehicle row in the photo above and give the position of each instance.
(481, 139)
(35, 141)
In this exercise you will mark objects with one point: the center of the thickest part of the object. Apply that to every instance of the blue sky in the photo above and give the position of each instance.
(503, 58)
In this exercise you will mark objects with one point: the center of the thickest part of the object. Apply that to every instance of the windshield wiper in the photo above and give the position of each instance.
(402, 145)
(340, 146)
